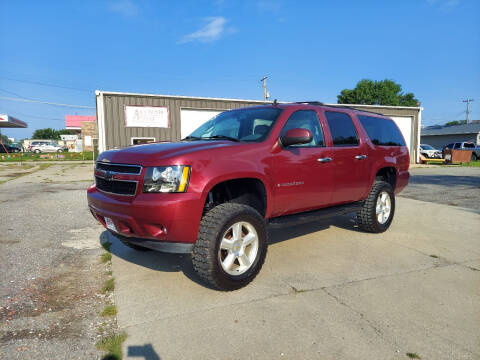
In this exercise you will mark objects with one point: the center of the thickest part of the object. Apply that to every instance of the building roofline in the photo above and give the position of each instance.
(102, 92)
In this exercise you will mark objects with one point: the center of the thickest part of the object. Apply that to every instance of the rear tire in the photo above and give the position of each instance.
(231, 246)
(474, 157)
(377, 212)
(37, 151)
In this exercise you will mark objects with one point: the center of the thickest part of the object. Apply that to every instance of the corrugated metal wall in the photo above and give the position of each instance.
(117, 135)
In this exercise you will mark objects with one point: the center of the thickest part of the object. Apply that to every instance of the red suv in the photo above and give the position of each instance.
(213, 193)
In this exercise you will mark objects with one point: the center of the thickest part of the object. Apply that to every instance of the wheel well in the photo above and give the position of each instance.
(388, 174)
(246, 191)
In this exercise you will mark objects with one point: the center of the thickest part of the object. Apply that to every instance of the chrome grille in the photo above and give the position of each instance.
(118, 179)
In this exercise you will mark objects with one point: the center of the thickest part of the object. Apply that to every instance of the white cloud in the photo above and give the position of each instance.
(211, 31)
(124, 7)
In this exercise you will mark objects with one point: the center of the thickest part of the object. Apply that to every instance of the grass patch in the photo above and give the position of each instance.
(109, 273)
(109, 310)
(413, 355)
(106, 245)
(106, 257)
(434, 256)
(475, 163)
(87, 155)
(44, 166)
(112, 345)
(109, 285)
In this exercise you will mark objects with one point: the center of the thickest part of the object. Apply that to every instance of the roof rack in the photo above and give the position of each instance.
(309, 102)
(342, 106)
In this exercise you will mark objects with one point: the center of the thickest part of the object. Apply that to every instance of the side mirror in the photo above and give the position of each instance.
(296, 136)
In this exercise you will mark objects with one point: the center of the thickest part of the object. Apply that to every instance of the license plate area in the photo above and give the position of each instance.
(110, 224)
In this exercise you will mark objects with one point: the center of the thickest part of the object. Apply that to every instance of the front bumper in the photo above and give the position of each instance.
(173, 218)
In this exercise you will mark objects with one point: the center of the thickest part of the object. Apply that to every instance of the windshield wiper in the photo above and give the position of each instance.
(221, 137)
(189, 137)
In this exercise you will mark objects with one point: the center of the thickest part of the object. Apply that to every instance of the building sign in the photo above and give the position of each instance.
(69, 137)
(146, 116)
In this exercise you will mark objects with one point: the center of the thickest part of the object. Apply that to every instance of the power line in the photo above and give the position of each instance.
(45, 84)
(12, 93)
(46, 103)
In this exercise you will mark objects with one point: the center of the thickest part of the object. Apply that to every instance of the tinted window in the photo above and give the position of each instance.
(305, 119)
(383, 132)
(342, 129)
(468, 145)
(457, 146)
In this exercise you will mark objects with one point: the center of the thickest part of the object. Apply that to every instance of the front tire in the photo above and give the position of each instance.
(231, 246)
(377, 212)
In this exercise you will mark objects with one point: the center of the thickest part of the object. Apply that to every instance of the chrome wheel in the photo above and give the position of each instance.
(384, 207)
(238, 248)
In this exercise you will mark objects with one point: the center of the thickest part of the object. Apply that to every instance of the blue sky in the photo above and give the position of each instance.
(61, 51)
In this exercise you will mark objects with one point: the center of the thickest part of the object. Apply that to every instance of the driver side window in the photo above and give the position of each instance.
(305, 119)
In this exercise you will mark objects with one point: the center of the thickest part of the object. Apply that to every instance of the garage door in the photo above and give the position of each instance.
(404, 123)
(191, 119)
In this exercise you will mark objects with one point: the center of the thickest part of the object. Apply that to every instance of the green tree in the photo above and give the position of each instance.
(455, 122)
(383, 92)
(67, 132)
(46, 134)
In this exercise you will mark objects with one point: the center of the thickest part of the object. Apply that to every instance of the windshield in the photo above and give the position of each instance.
(427, 147)
(238, 125)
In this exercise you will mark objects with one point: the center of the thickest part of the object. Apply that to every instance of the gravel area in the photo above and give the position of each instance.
(448, 185)
(51, 276)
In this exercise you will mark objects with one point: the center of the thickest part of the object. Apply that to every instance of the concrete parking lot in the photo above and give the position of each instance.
(326, 291)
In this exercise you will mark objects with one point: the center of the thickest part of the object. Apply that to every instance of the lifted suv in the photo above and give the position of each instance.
(213, 193)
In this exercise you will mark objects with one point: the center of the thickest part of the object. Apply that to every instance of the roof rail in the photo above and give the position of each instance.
(342, 106)
(309, 102)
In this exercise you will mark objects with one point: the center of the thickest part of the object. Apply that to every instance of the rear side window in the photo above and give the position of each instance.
(382, 132)
(468, 146)
(342, 129)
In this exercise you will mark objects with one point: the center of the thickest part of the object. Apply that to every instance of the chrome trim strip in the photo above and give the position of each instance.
(108, 192)
(115, 164)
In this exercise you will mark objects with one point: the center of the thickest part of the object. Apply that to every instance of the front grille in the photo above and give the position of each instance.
(120, 168)
(116, 186)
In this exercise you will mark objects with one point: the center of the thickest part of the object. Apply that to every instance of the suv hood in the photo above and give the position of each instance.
(149, 154)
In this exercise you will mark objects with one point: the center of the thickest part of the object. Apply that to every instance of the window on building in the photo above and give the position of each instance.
(342, 129)
(142, 140)
(383, 132)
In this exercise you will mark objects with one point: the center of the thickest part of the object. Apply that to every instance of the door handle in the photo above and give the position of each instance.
(324, 160)
(360, 157)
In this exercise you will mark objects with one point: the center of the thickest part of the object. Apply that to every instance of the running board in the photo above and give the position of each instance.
(315, 215)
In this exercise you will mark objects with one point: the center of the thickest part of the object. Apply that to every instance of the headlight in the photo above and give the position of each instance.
(166, 179)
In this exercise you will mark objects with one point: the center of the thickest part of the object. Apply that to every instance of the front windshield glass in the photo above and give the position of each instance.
(238, 125)
(427, 147)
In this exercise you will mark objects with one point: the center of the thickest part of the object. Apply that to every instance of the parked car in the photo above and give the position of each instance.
(213, 193)
(466, 145)
(430, 152)
(4, 148)
(46, 146)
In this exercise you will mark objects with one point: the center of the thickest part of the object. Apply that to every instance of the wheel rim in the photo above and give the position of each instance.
(238, 248)
(384, 207)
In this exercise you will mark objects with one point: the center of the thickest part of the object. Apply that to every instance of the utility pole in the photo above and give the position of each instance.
(266, 95)
(468, 108)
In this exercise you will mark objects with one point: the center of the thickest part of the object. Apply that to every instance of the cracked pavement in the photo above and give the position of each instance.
(326, 291)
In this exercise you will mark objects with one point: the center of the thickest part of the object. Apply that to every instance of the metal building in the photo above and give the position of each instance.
(440, 136)
(126, 118)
